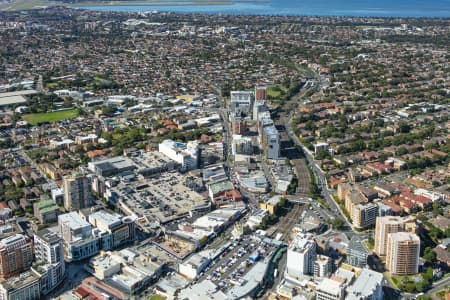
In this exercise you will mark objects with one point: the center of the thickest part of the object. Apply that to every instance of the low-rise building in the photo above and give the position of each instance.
(368, 286)
(330, 289)
(46, 211)
(195, 264)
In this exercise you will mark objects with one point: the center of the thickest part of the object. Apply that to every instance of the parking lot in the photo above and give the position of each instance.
(228, 269)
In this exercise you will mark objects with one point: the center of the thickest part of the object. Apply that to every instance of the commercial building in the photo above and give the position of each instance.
(104, 232)
(16, 255)
(48, 247)
(271, 204)
(112, 166)
(77, 192)
(364, 215)
(330, 289)
(80, 241)
(121, 229)
(300, 257)
(73, 228)
(26, 286)
(187, 155)
(257, 218)
(195, 264)
(402, 257)
(368, 286)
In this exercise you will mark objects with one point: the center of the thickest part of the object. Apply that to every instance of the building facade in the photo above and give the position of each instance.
(77, 192)
(271, 142)
(364, 215)
(187, 155)
(356, 253)
(16, 255)
(26, 286)
(300, 257)
(385, 226)
(368, 286)
(49, 250)
(402, 257)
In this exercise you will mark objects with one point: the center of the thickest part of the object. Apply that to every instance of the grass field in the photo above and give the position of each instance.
(51, 117)
(275, 91)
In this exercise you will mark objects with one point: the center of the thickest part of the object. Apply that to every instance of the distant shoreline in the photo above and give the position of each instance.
(147, 3)
(161, 3)
(432, 9)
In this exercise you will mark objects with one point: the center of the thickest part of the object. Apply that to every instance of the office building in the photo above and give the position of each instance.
(16, 255)
(48, 247)
(364, 215)
(385, 226)
(77, 192)
(187, 155)
(356, 253)
(402, 257)
(368, 286)
(300, 257)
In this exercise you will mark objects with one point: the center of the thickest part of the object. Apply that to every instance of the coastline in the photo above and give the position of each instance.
(435, 9)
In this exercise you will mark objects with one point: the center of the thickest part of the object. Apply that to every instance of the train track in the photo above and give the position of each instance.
(287, 222)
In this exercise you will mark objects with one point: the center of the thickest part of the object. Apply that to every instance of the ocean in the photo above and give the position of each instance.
(342, 8)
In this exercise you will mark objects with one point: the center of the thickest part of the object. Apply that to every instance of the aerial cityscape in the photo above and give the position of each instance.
(178, 154)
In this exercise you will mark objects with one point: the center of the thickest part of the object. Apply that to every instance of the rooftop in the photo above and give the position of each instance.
(17, 282)
(48, 236)
(221, 186)
(364, 286)
(73, 220)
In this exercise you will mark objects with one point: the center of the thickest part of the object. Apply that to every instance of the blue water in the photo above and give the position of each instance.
(353, 8)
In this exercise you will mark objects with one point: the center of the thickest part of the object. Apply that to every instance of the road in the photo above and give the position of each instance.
(322, 184)
(439, 286)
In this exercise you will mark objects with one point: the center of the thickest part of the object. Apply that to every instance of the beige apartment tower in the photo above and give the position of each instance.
(402, 257)
(385, 226)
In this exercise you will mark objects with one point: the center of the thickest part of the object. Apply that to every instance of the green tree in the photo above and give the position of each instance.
(338, 223)
(429, 255)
